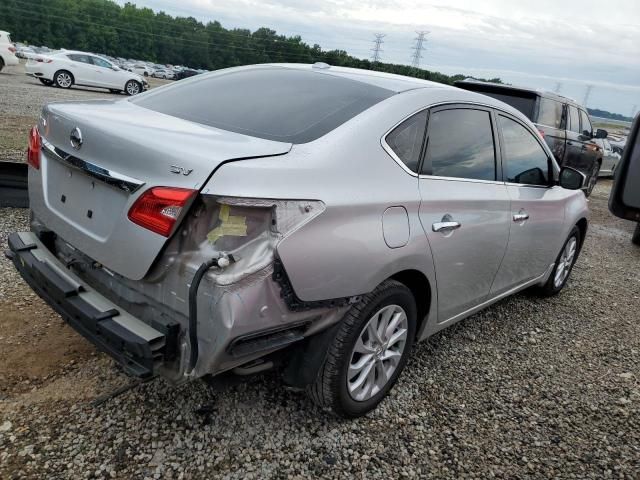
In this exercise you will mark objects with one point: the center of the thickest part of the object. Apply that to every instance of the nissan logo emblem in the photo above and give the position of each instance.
(76, 138)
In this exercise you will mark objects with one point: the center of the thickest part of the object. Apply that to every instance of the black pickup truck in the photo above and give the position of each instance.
(564, 124)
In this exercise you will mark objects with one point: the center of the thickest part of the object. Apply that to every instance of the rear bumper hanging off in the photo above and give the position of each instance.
(139, 348)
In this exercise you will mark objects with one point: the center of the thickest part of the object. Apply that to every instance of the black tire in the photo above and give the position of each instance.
(63, 79)
(552, 288)
(330, 387)
(46, 82)
(129, 87)
(1, 64)
(145, 74)
(636, 235)
(593, 179)
(112, 90)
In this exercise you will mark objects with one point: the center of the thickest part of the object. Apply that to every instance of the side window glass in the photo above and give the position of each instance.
(460, 145)
(550, 113)
(100, 63)
(587, 129)
(406, 140)
(525, 161)
(574, 120)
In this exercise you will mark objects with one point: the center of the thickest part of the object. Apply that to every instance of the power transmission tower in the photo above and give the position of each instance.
(587, 94)
(558, 87)
(377, 47)
(417, 49)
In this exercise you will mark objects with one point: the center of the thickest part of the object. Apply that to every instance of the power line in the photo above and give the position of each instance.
(587, 94)
(417, 49)
(377, 50)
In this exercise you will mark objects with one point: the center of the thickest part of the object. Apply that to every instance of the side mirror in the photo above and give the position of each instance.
(572, 179)
(601, 133)
(624, 201)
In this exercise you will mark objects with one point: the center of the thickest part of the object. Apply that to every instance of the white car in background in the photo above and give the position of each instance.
(163, 73)
(610, 158)
(142, 69)
(66, 68)
(7, 51)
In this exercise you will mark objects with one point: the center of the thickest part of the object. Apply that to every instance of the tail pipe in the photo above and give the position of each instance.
(220, 262)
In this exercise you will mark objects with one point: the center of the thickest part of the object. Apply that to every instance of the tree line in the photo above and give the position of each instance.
(104, 27)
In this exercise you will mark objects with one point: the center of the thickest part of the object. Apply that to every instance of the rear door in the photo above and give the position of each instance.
(537, 207)
(82, 69)
(551, 122)
(577, 155)
(464, 207)
(104, 75)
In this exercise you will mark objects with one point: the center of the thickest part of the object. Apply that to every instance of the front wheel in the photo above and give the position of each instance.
(564, 265)
(636, 235)
(368, 353)
(132, 87)
(593, 179)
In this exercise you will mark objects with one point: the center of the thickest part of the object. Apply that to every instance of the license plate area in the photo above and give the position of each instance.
(82, 201)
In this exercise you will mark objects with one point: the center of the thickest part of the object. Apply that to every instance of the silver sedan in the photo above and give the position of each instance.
(315, 218)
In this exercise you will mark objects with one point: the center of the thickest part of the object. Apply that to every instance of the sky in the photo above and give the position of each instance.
(564, 45)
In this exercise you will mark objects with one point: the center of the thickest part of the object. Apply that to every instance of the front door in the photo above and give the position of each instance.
(537, 207)
(464, 207)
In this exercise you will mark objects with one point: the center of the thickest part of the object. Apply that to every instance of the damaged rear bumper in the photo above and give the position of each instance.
(139, 348)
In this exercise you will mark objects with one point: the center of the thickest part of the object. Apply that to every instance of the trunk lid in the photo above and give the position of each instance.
(87, 184)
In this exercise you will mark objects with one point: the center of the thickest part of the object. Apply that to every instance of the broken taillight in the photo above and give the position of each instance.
(159, 208)
(33, 151)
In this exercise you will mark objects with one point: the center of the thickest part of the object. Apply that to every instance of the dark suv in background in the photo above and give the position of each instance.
(563, 123)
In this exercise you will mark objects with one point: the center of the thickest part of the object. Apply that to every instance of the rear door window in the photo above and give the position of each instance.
(100, 62)
(81, 58)
(550, 113)
(574, 119)
(275, 103)
(586, 127)
(406, 140)
(524, 159)
(460, 144)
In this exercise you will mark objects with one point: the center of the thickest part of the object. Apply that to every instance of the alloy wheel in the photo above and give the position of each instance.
(133, 88)
(64, 80)
(566, 262)
(377, 352)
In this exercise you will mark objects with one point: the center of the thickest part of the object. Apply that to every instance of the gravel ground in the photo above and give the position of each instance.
(529, 388)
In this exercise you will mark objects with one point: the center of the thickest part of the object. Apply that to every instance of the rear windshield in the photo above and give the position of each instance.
(281, 104)
(524, 104)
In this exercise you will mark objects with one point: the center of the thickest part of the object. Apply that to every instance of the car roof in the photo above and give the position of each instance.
(434, 92)
(389, 81)
(517, 88)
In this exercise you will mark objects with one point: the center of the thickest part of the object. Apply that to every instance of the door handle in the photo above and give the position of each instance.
(445, 226)
(520, 217)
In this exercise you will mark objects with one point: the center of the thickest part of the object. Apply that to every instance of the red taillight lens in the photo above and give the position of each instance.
(158, 208)
(12, 49)
(35, 145)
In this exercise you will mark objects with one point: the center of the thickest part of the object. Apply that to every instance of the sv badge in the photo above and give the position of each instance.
(180, 170)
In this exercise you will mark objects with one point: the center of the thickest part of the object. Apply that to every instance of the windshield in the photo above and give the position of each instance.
(275, 103)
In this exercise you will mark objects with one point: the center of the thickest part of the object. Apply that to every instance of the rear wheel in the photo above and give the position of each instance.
(636, 235)
(593, 179)
(564, 265)
(46, 82)
(368, 353)
(63, 79)
(132, 87)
